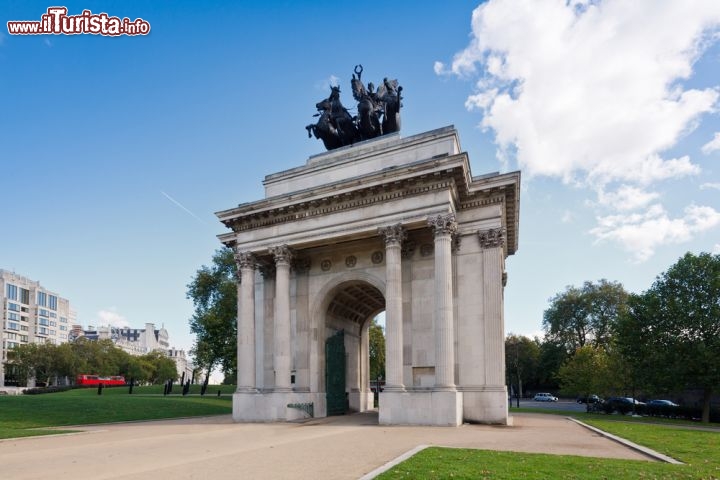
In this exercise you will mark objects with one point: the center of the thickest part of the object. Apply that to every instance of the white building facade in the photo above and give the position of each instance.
(30, 314)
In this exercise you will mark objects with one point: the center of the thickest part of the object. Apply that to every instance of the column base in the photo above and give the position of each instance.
(361, 401)
(487, 405)
(273, 406)
(436, 408)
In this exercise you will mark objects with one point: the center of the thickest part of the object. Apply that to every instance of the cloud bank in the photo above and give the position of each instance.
(591, 92)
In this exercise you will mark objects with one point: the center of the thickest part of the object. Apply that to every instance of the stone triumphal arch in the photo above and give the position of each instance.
(391, 224)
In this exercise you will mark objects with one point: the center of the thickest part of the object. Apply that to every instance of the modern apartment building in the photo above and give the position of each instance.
(30, 314)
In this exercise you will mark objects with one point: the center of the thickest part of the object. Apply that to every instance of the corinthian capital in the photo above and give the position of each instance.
(393, 234)
(282, 254)
(244, 259)
(443, 224)
(492, 237)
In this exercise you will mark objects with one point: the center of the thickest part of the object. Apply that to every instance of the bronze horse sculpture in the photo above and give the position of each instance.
(335, 127)
(378, 113)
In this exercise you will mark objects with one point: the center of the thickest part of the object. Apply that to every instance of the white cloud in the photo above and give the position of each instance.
(111, 317)
(705, 186)
(642, 233)
(712, 145)
(589, 91)
(626, 198)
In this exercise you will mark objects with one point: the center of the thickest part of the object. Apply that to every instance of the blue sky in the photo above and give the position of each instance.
(116, 152)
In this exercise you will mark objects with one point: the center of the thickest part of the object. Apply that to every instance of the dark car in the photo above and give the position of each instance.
(661, 403)
(591, 399)
(622, 405)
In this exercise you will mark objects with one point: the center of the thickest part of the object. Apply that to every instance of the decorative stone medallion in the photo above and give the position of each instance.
(377, 257)
(350, 261)
(325, 265)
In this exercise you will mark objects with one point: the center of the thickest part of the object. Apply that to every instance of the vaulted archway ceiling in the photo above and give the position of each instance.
(357, 302)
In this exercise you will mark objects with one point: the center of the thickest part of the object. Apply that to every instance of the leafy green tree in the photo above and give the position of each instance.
(584, 316)
(552, 355)
(672, 331)
(585, 373)
(162, 368)
(522, 361)
(213, 291)
(377, 350)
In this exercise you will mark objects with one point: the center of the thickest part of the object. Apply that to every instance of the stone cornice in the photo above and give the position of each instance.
(340, 202)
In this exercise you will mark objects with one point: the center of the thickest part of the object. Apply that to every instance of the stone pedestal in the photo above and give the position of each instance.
(441, 409)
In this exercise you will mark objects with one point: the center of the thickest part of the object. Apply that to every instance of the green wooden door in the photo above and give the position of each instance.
(335, 374)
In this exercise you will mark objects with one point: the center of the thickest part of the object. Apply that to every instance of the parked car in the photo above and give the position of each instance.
(661, 403)
(591, 399)
(544, 397)
(622, 404)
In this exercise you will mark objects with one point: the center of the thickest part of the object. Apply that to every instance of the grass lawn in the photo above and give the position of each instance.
(19, 414)
(700, 450)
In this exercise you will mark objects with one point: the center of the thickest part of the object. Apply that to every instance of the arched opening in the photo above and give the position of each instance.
(352, 306)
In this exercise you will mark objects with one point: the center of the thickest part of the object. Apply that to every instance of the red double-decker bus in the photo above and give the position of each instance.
(95, 380)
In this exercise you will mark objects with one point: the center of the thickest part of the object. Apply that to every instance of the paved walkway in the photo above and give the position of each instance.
(216, 448)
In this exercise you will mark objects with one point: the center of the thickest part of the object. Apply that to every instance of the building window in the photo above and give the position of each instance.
(63, 319)
(43, 321)
(42, 312)
(12, 291)
(13, 316)
(53, 302)
(43, 330)
(24, 338)
(42, 299)
(63, 328)
(12, 326)
(11, 336)
(25, 296)
(53, 324)
(14, 307)
(23, 328)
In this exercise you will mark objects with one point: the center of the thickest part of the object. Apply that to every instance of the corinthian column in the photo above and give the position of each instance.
(281, 351)
(245, 322)
(444, 227)
(492, 242)
(394, 235)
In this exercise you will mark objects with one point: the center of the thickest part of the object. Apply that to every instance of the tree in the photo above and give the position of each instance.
(213, 291)
(522, 361)
(377, 350)
(673, 329)
(587, 372)
(584, 316)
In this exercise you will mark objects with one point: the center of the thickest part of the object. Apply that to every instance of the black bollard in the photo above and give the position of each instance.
(100, 387)
(218, 393)
(132, 381)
